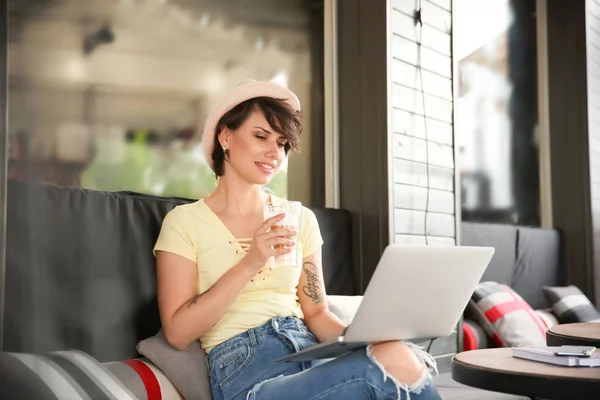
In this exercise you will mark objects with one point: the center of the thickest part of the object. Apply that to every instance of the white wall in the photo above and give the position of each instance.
(423, 172)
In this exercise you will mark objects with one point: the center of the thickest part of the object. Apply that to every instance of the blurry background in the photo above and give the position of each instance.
(496, 120)
(113, 94)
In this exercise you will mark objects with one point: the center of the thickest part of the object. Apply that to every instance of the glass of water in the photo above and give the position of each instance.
(292, 211)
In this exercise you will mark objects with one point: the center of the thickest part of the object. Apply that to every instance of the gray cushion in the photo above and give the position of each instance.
(501, 237)
(186, 369)
(538, 264)
(449, 389)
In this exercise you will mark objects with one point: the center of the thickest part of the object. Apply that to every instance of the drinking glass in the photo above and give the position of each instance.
(292, 211)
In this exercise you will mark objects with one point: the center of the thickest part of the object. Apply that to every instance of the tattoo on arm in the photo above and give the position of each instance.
(312, 287)
(193, 300)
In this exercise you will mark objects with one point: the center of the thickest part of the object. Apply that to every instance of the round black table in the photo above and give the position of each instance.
(578, 334)
(497, 370)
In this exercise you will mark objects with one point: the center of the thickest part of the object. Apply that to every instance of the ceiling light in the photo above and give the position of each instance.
(260, 43)
(280, 78)
(205, 19)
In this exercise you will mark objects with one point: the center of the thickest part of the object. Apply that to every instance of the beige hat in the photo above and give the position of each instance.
(245, 90)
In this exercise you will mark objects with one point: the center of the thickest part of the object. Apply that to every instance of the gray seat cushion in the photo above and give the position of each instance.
(449, 389)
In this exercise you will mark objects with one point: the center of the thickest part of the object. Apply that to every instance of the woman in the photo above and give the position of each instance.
(215, 280)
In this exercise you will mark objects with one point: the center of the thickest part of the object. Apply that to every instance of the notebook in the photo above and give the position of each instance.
(546, 355)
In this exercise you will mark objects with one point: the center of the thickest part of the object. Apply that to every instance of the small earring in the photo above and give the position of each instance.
(224, 149)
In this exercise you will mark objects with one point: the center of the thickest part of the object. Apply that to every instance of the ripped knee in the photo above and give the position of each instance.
(406, 364)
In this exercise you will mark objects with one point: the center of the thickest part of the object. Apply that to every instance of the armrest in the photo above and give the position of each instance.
(58, 374)
(144, 379)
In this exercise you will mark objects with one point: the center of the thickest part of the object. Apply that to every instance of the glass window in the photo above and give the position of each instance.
(497, 111)
(113, 94)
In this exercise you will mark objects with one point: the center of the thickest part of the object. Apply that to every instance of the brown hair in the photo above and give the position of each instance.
(280, 116)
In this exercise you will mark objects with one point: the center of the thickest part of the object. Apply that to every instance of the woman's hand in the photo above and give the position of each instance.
(269, 240)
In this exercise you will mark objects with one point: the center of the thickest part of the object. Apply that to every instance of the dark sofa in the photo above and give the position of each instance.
(80, 271)
(526, 258)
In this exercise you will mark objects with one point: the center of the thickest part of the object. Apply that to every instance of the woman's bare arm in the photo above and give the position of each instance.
(324, 324)
(186, 316)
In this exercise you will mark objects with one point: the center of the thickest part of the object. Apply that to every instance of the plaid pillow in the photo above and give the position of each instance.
(506, 317)
(571, 305)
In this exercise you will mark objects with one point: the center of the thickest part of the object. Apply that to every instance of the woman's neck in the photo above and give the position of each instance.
(237, 198)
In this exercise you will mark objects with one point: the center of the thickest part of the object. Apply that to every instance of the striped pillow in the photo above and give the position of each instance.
(506, 317)
(571, 305)
(71, 375)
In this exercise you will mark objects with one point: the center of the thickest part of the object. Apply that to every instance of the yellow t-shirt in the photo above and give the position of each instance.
(195, 232)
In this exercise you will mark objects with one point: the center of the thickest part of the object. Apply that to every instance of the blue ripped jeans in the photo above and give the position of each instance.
(244, 368)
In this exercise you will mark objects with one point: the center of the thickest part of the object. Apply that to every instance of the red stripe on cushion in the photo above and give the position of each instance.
(527, 307)
(497, 340)
(500, 310)
(469, 338)
(150, 382)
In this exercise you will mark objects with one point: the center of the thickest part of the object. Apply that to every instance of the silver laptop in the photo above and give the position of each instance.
(416, 293)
